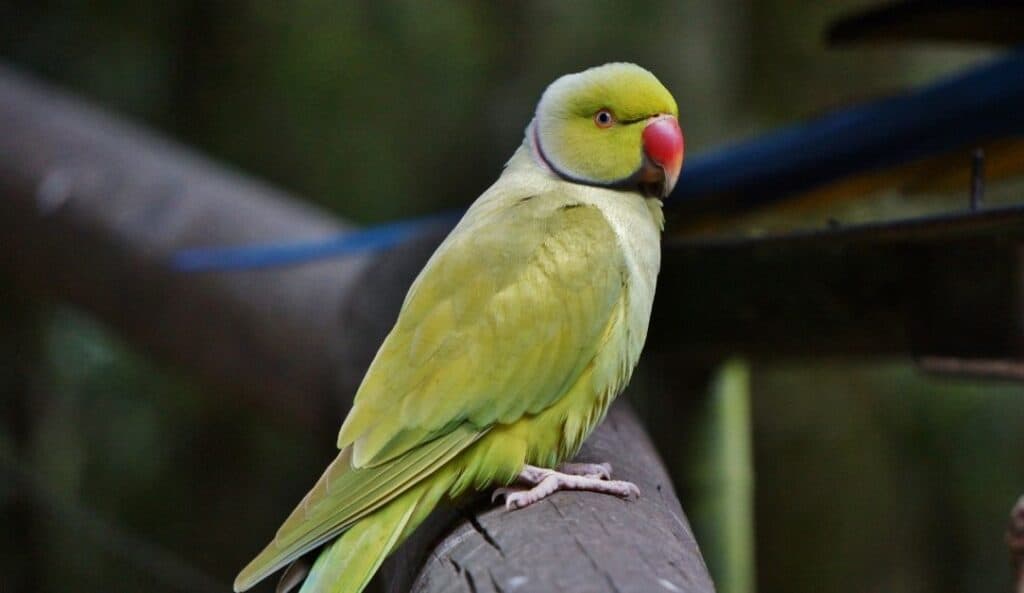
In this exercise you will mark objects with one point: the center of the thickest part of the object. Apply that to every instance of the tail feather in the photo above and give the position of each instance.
(347, 564)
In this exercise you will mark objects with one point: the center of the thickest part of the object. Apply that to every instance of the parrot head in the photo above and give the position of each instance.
(612, 126)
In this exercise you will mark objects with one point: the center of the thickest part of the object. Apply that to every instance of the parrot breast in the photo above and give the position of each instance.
(556, 433)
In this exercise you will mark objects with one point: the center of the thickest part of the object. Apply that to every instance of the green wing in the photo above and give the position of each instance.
(344, 495)
(501, 322)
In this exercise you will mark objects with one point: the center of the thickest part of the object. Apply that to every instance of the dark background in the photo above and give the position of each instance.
(121, 474)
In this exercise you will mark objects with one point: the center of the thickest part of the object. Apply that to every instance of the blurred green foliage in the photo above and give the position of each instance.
(721, 474)
(874, 477)
(869, 477)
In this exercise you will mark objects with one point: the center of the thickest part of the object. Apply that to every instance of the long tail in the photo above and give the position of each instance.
(347, 564)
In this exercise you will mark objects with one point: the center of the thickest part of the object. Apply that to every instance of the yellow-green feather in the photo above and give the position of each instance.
(343, 496)
(544, 280)
(509, 348)
(348, 563)
(500, 324)
(565, 120)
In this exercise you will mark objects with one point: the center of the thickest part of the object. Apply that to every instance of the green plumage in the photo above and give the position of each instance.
(508, 350)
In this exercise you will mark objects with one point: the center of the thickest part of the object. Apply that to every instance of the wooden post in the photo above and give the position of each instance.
(91, 209)
(721, 468)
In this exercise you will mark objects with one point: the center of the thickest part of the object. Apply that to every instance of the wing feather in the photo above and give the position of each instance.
(499, 324)
(343, 495)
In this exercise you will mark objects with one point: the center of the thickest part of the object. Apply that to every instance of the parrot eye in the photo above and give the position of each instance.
(604, 118)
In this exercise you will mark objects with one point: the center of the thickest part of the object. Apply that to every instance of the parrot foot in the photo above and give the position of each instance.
(593, 477)
(602, 471)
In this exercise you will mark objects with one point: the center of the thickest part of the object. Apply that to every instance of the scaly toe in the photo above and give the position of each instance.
(593, 477)
(629, 490)
(600, 471)
(517, 500)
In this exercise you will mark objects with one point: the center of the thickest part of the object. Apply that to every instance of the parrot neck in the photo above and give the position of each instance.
(532, 145)
(540, 158)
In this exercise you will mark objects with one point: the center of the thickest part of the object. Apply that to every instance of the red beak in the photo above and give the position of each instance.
(663, 145)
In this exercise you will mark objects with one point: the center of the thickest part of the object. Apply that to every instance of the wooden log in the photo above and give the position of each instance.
(639, 546)
(93, 208)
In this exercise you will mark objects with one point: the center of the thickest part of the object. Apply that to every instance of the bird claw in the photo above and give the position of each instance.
(631, 490)
(594, 477)
(515, 498)
(600, 471)
(518, 500)
(503, 492)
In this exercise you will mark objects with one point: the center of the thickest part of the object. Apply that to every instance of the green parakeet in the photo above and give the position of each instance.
(511, 344)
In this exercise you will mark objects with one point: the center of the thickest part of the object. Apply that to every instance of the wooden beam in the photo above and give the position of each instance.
(995, 22)
(949, 298)
(587, 542)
